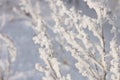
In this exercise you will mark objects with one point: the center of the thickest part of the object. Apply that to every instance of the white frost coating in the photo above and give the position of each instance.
(88, 64)
(7, 56)
(64, 29)
(9, 44)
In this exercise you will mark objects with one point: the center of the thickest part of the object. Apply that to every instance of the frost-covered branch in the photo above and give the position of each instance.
(80, 35)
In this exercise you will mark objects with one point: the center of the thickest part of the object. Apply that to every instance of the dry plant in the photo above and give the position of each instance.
(75, 32)
(6, 58)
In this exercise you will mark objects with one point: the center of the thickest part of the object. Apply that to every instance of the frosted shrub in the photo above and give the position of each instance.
(67, 29)
(6, 58)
